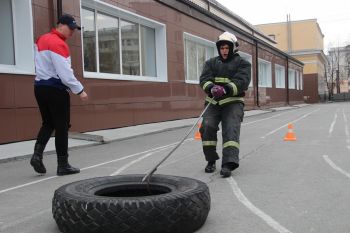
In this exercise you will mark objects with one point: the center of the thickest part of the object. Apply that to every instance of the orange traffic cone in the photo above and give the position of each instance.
(290, 136)
(197, 135)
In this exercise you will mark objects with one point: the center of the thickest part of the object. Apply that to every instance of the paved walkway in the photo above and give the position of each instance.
(24, 149)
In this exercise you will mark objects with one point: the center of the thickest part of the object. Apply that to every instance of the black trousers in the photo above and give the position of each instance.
(54, 105)
(230, 116)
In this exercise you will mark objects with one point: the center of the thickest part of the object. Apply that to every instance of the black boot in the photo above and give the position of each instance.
(37, 159)
(210, 168)
(64, 168)
(227, 169)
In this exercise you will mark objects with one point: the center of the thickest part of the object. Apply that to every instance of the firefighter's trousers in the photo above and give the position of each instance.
(230, 116)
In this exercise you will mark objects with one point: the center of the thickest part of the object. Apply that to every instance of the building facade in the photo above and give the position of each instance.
(303, 40)
(139, 61)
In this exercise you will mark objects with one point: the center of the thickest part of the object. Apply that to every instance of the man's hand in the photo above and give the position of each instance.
(83, 96)
(217, 91)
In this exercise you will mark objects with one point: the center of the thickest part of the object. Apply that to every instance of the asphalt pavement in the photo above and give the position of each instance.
(281, 186)
(24, 149)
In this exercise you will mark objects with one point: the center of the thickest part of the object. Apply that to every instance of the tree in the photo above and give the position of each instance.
(338, 67)
(332, 61)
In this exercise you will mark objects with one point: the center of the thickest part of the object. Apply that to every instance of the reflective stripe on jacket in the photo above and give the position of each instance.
(233, 74)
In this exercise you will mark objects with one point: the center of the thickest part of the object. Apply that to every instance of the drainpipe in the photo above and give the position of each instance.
(287, 80)
(289, 34)
(59, 8)
(52, 13)
(257, 73)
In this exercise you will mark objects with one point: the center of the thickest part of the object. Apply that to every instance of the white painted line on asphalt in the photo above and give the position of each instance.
(346, 126)
(143, 157)
(26, 184)
(120, 170)
(331, 128)
(264, 119)
(345, 118)
(86, 168)
(242, 198)
(129, 156)
(285, 125)
(183, 158)
(334, 166)
(131, 163)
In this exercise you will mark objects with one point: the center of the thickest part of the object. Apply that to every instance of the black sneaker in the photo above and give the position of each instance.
(210, 168)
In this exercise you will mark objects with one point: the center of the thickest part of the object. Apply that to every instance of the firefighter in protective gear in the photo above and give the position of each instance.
(224, 79)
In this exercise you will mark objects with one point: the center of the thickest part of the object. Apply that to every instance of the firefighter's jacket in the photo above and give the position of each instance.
(233, 74)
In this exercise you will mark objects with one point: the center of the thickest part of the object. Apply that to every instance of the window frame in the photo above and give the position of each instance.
(269, 78)
(203, 42)
(283, 72)
(297, 80)
(23, 45)
(250, 58)
(290, 81)
(121, 14)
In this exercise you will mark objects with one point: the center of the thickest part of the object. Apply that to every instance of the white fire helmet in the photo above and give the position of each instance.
(230, 39)
(227, 36)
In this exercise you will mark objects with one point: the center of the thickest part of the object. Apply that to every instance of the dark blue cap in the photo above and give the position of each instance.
(69, 21)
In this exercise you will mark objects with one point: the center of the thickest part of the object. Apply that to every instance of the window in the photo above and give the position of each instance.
(265, 79)
(148, 51)
(108, 44)
(291, 79)
(248, 58)
(299, 80)
(272, 36)
(16, 50)
(280, 76)
(297, 77)
(121, 45)
(89, 40)
(7, 56)
(197, 51)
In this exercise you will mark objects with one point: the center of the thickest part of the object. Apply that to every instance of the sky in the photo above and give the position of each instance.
(333, 16)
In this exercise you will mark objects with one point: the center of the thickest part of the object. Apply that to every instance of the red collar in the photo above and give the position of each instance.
(54, 31)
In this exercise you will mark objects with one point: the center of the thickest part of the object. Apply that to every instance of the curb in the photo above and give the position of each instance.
(99, 139)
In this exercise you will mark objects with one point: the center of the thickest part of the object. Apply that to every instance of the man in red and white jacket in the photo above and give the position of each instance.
(54, 78)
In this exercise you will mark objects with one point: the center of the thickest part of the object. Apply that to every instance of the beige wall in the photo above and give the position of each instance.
(304, 41)
(313, 40)
(279, 31)
(305, 35)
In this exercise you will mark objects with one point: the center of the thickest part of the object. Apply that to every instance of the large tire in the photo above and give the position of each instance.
(122, 204)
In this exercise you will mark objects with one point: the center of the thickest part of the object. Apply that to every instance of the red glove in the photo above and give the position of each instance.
(217, 91)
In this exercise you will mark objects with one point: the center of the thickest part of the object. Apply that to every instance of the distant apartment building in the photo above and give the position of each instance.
(303, 39)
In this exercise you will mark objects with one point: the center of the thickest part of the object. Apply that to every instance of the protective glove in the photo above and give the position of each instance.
(217, 91)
